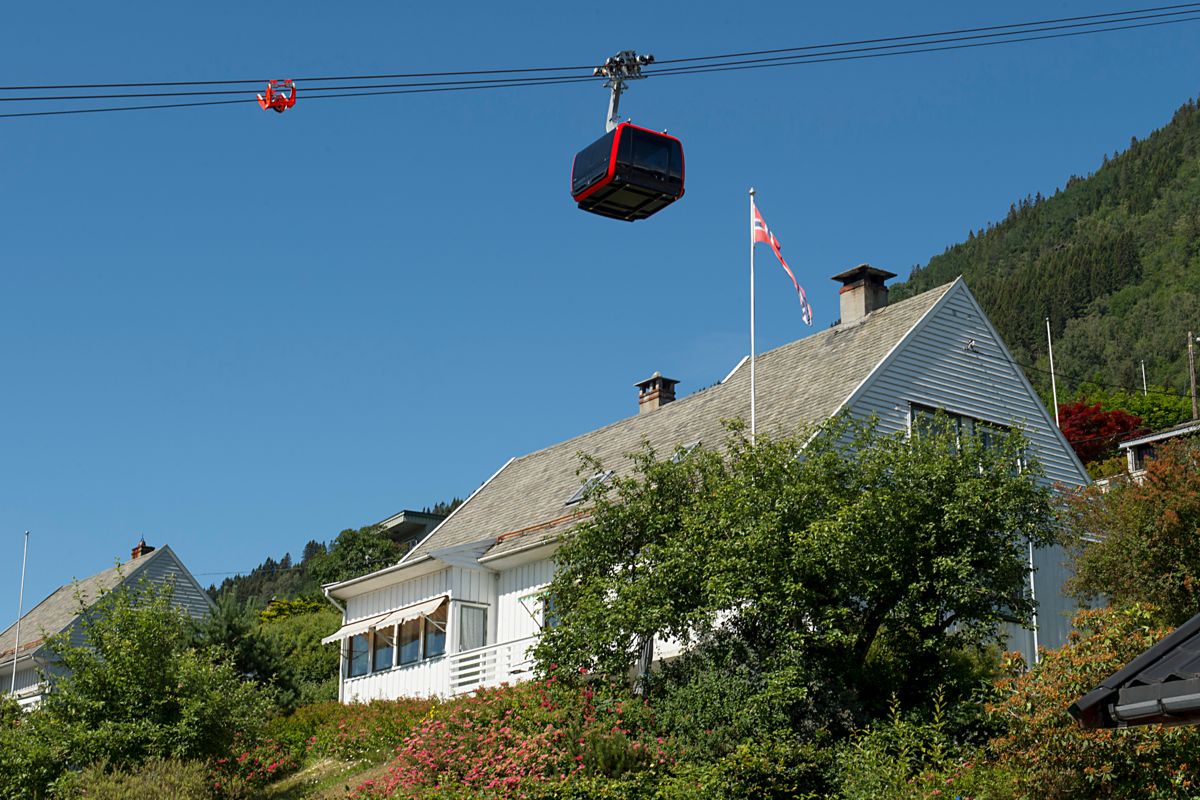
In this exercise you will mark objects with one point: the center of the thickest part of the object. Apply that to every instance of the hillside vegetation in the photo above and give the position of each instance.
(1113, 259)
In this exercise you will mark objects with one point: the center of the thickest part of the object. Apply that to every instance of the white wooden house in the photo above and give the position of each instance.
(24, 651)
(461, 609)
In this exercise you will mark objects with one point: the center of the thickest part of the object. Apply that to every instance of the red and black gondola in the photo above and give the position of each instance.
(628, 173)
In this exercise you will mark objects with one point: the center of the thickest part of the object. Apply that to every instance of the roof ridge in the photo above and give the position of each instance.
(766, 354)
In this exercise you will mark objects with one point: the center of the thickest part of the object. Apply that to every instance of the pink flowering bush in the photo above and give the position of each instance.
(509, 741)
(250, 767)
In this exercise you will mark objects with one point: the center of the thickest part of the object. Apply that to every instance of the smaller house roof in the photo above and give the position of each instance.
(1168, 433)
(61, 608)
(1162, 685)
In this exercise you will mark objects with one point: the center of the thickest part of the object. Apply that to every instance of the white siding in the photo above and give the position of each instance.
(955, 361)
(398, 595)
(515, 622)
(424, 679)
(430, 677)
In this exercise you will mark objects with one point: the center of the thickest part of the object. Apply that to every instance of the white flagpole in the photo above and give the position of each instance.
(20, 610)
(753, 421)
(1053, 381)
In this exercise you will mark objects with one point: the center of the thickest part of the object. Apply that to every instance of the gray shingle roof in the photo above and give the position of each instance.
(61, 608)
(799, 384)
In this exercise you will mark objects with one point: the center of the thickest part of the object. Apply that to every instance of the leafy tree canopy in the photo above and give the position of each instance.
(1136, 542)
(1093, 432)
(134, 686)
(831, 565)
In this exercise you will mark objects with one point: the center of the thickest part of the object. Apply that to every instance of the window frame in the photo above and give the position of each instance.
(464, 605)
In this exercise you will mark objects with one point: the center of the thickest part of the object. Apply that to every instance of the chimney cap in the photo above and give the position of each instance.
(861, 272)
(657, 376)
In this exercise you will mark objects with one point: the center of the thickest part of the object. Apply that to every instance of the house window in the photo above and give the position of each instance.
(385, 646)
(472, 627)
(928, 420)
(591, 483)
(435, 632)
(549, 614)
(1141, 455)
(410, 641)
(356, 655)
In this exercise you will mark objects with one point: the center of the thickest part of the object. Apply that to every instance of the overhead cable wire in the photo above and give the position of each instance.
(1127, 21)
(1115, 16)
(873, 52)
(826, 54)
(251, 100)
(955, 32)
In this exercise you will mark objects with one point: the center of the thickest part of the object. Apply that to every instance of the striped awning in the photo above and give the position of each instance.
(422, 609)
(354, 629)
(386, 620)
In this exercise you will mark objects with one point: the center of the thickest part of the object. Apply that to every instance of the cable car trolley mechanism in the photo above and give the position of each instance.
(630, 172)
(280, 95)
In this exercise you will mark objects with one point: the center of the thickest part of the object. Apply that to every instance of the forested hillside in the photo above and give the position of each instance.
(1113, 259)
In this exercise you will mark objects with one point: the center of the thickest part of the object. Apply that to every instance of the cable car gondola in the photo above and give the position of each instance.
(630, 172)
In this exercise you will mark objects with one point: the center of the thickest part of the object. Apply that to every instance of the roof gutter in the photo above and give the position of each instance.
(330, 598)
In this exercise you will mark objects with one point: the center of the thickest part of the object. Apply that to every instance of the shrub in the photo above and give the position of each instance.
(154, 779)
(507, 741)
(357, 732)
(250, 767)
(1053, 758)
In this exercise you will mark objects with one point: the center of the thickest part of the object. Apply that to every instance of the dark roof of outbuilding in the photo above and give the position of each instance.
(1162, 685)
(799, 384)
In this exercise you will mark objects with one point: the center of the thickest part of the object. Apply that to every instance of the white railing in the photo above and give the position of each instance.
(492, 665)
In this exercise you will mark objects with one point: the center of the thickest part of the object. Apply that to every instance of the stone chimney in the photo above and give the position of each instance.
(655, 392)
(141, 549)
(862, 291)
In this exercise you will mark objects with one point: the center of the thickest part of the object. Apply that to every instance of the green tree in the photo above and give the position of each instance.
(134, 686)
(831, 567)
(354, 552)
(1136, 542)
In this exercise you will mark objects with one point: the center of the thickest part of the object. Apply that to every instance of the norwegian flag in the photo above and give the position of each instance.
(759, 232)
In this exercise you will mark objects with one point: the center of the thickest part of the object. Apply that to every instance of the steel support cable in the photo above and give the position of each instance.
(1111, 16)
(893, 50)
(698, 69)
(932, 35)
(817, 57)
(153, 106)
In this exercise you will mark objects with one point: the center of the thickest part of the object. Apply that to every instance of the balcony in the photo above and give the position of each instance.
(492, 665)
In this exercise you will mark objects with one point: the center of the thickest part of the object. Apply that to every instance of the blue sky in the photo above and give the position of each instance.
(234, 331)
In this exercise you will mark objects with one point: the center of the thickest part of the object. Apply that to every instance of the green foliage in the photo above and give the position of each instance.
(307, 669)
(154, 779)
(506, 742)
(868, 561)
(1053, 759)
(132, 689)
(1136, 543)
(1113, 260)
(279, 609)
(1158, 408)
(355, 732)
(232, 627)
(354, 552)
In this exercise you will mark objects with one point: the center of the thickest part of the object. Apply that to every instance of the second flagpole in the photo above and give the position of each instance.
(752, 415)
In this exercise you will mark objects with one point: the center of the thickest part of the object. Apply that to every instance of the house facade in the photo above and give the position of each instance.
(462, 608)
(23, 650)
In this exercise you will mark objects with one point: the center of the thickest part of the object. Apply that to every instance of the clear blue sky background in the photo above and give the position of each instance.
(234, 331)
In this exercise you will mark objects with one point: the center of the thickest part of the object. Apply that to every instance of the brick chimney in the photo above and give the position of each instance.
(862, 291)
(141, 549)
(655, 392)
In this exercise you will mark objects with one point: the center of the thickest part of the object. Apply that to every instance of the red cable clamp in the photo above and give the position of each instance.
(280, 96)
